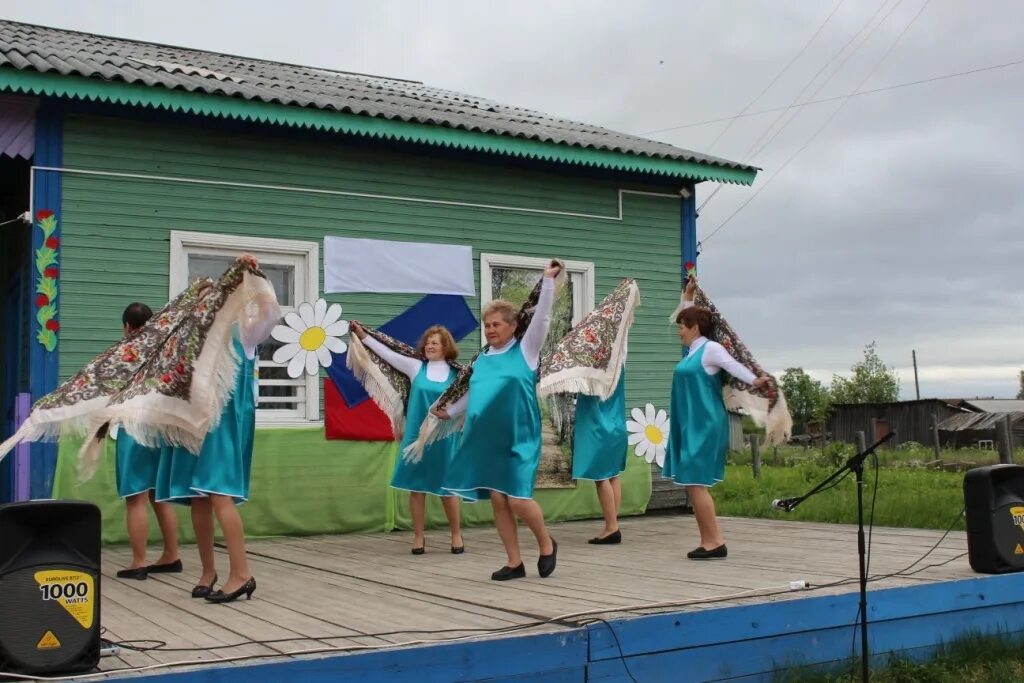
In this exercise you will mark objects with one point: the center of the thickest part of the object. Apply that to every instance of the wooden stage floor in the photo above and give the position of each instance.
(368, 590)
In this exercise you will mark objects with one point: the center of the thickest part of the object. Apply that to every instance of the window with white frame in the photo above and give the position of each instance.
(293, 268)
(512, 278)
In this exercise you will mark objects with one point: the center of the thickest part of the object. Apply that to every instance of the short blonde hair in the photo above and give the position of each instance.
(506, 310)
(448, 345)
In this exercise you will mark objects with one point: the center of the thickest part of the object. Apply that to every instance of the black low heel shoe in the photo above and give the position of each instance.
(610, 539)
(699, 553)
(419, 551)
(506, 573)
(546, 563)
(202, 591)
(458, 549)
(169, 568)
(139, 573)
(247, 588)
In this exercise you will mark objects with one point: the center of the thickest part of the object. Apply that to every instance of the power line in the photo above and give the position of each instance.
(775, 80)
(858, 93)
(842, 104)
(751, 150)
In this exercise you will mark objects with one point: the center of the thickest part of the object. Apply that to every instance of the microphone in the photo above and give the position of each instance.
(784, 504)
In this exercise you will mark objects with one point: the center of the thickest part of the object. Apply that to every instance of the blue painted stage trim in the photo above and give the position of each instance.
(43, 365)
(542, 658)
(688, 229)
(750, 642)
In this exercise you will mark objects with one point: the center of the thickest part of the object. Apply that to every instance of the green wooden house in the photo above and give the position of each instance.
(159, 163)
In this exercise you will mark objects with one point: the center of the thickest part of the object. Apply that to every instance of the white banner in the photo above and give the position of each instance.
(364, 265)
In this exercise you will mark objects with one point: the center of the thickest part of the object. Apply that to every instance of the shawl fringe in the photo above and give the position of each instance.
(387, 398)
(432, 430)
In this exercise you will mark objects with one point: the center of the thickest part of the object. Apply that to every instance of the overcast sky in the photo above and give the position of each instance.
(901, 222)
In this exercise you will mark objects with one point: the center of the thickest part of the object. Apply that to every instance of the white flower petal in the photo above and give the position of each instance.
(332, 315)
(297, 364)
(659, 456)
(307, 314)
(634, 426)
(292, 319)
(650, 456)
(337, 329)
(312, 364)
(324, 355)
(283, 333)
(319, 310)
(643, 447)
(661, 419)
(638, 415)
(335, 345)
(635, 438)
(649, 414)
(286, 353)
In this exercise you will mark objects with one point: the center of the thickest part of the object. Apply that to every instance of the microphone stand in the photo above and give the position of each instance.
(855, 465)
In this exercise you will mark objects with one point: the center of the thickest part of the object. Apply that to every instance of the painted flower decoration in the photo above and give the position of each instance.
(310, 336)
(691, 268)
(648, 432)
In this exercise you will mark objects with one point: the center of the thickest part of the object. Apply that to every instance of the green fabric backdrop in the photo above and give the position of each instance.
(303, 484)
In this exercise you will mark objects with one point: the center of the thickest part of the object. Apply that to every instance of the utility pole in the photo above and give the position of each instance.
(917, 387)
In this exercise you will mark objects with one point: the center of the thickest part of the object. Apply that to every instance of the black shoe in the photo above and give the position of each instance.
(139, 573)
(419, 551)
(248, 588)
(546, 563)
(506, 573)
(202, 591)
(699, 553)
(169, 568)
(458, 549)
(613, 537)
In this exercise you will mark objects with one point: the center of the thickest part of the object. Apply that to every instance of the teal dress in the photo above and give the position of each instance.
(599, 441)
(427, 475)
(225, 460)
(699, 432)
(501, 440)
(135, 466)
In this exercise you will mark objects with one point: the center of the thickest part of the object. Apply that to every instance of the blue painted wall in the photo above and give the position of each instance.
(43, 364)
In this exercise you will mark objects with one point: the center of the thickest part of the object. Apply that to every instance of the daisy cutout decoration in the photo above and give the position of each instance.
(310, 336)
(648, 431)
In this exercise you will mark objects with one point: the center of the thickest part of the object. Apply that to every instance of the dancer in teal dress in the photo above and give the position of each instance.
(135, 468)
(699, 432)
(599, 454)
(216, 480)
(501, 444)
(429, 380)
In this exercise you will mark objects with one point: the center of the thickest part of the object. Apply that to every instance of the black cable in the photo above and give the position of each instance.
(622, 654)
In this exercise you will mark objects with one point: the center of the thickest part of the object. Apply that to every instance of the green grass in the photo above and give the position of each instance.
(975, 659)
(907, 455)
(916, 498)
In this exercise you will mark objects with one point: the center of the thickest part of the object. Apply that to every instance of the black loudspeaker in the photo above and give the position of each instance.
(49, 587)
(994, 498)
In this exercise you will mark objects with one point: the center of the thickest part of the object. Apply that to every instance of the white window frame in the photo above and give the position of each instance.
(581, 272)
(305, 256)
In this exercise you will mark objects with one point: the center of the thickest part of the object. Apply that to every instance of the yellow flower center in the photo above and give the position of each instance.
(653, 434)
(312, 339)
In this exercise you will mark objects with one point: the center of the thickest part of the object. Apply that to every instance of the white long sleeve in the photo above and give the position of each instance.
(459, 406)
(716, 358)
(410, 367)
(537, 332)
(258, 328)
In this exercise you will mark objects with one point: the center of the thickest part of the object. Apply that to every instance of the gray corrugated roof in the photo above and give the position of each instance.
(44, 49)
(997, 405)
(977, 421)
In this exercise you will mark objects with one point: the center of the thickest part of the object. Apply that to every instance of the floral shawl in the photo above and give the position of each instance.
(388, 387)
(168, 383)
(767, 406)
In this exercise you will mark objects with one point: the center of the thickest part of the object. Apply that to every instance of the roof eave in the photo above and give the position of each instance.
(202, 104)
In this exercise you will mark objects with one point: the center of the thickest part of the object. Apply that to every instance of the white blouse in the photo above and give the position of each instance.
(437, 370)
(716, 358)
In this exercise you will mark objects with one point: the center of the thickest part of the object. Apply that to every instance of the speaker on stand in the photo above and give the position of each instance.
(49, 587)
(994, 500)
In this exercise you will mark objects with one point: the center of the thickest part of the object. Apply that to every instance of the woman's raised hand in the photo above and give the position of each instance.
(553, 269)
(691, 287)
(357, 329)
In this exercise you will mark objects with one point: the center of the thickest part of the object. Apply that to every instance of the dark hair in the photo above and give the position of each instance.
(448, 345)
(701, 317)
(136, 315)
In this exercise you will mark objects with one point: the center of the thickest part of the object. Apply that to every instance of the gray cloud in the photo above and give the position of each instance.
(901, 223)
